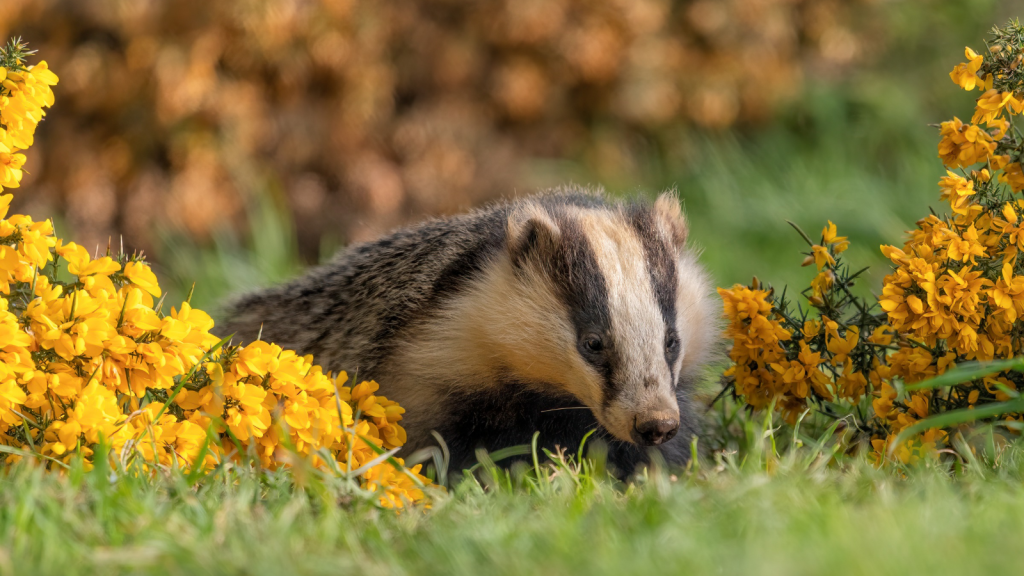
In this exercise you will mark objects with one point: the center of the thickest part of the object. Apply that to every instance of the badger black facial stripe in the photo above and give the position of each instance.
(471, 261)
(661, 264)
(584, 290)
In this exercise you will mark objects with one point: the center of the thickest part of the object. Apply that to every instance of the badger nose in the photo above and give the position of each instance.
(654, 432)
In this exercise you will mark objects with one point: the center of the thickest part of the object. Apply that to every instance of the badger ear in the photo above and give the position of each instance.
(530, 229)
(669, 214)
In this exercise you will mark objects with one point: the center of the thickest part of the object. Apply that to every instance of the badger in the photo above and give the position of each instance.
(559, 314)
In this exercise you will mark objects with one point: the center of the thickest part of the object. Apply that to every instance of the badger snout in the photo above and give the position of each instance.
(655, 431)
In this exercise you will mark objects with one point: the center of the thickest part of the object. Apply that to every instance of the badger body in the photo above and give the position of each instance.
(559, 314)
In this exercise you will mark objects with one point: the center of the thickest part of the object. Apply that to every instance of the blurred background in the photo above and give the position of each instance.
(239, 141)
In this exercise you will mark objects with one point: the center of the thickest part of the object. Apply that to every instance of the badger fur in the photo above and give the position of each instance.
(559, 313)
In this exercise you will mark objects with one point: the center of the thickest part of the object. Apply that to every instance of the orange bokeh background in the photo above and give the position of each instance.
(360, 115)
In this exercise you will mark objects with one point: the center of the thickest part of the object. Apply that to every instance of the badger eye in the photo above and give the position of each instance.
(671, 343)
(592, 343)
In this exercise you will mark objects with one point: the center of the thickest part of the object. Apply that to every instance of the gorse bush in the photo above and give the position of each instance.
(955, 295)
(90, 365)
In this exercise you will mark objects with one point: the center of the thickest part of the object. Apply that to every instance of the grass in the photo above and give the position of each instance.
(752, 512)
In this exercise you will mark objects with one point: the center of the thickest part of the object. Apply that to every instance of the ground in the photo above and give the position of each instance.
(807, 516)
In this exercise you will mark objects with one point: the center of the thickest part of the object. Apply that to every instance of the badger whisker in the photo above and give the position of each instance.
(568, 408)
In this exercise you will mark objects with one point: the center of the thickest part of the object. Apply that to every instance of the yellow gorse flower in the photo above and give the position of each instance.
(965, 74)
(24, 93)
(95, 360)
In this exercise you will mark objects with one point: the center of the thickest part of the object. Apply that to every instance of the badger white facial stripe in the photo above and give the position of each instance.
(642, 380)
(661, 264)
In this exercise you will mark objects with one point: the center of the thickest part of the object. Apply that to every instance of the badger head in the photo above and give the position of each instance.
(609, 306)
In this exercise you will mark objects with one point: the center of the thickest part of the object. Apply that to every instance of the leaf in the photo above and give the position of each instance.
(958, 417)
(967, 372)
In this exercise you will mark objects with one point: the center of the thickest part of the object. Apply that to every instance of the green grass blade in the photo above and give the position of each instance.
(520, 450)
(967, 372)
(27, 454)
(955, 417)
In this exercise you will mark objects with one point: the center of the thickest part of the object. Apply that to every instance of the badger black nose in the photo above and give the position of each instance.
(654, 432)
